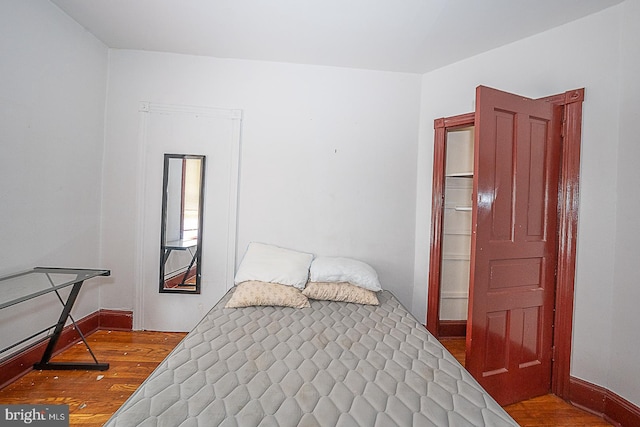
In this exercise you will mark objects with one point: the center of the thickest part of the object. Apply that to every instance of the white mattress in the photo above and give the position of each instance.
(334, 364)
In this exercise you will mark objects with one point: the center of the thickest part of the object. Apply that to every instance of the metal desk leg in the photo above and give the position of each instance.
(46, 357)
(186, 273)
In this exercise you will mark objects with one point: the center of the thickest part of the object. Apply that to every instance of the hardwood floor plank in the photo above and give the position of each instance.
(552, 411)
(93, 396)
(543, 411)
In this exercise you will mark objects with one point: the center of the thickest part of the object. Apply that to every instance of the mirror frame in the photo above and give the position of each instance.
(165, 250)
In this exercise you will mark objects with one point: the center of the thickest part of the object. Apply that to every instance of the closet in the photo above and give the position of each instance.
(503, 236)
(456, 231)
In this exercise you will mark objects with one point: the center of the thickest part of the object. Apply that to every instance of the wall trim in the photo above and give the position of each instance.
(147, 148)
(452, 328)
(115, 320)
(21, 363)
(603, 403)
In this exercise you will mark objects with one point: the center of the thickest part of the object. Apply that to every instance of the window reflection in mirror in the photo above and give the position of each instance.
(181, 227)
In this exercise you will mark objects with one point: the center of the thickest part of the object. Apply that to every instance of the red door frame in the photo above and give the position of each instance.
(568, 198)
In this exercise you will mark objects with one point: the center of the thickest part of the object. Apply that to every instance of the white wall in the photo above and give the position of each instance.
(587, 54)
(328, 161)
(52, 97)
(625, 342)
(327, 157)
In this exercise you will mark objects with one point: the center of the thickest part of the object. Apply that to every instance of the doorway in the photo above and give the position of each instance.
(567, 109)
(186, 132)
(456, 231)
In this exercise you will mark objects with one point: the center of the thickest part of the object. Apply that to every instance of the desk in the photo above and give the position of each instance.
(27, 285)
(181, 245)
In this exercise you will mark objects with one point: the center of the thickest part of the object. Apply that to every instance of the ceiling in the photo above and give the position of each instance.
(413, 36)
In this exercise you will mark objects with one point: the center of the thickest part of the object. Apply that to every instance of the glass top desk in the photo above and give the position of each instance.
(27, 285)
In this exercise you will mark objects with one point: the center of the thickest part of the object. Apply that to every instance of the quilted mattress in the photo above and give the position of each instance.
(334, 364)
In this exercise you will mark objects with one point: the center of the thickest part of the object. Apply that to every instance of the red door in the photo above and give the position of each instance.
(513, 253)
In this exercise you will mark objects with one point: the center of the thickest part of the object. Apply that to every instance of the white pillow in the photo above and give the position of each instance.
(268, 263)
(337, 269)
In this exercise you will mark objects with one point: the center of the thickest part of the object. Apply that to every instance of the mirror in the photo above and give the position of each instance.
(181, 227)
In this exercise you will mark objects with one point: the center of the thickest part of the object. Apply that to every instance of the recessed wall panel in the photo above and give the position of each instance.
(535, 214)
(512, 273)
(496, 360)
(503, 190)
(530, 350)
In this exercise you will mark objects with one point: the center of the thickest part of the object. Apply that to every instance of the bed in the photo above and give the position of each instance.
(330, 363)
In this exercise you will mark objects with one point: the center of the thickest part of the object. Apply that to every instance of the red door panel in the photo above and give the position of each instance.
(513, 258)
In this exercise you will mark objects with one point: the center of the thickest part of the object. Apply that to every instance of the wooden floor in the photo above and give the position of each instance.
(93, 396)
(545, 411)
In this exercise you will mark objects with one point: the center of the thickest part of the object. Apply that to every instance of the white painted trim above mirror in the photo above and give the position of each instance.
(215, 133)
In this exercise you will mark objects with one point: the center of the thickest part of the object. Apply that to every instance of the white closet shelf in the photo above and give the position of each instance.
(456, 257)
(460, 208)
(458, 231)
(455, 295)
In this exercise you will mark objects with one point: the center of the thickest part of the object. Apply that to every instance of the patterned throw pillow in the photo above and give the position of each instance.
(340, 291)
(253, 292)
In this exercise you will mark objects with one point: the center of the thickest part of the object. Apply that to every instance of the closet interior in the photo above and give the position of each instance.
(456, 231)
